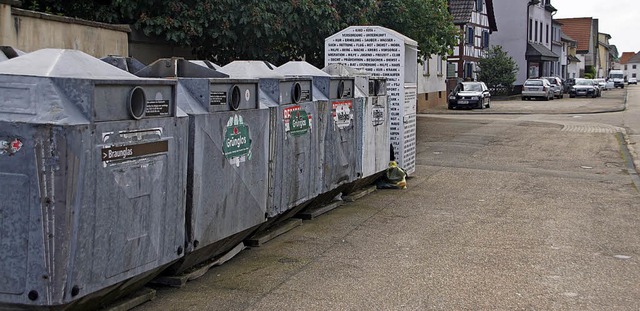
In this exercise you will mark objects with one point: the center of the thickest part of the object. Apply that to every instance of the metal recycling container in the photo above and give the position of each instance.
(372, 122)
(92, 176)
(8, 52)
(228, 170)
(129, 64)
(337, 127)
(295, 154)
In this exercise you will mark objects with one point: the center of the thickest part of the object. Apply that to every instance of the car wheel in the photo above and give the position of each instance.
(489, 104)
(450, 107)
(546, 98)
(522, 98)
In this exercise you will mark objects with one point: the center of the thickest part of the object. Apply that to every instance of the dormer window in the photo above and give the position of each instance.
(479, 5)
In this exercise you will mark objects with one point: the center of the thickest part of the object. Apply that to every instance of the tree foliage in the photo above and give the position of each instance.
(274, 30)
(498, 68)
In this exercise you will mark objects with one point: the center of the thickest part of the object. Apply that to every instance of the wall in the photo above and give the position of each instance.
(29, 31)
(432, 84)
(512, 20)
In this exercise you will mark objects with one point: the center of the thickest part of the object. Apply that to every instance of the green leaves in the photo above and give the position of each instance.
(498, 68)
(276, 30)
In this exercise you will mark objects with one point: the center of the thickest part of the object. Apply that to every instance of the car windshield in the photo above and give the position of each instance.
(616, 76)
(584, 82)
(533, 83)
(473, 87)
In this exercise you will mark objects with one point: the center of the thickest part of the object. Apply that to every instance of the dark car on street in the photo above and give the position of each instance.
(583, 87)
(470, 95)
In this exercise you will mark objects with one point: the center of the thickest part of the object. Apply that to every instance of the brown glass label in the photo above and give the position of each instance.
(119, 153)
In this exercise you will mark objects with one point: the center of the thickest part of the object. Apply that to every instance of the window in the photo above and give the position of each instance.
(536, 36)
(485, 39)
(625, 67)
(470, 34)
(633, 67)
(451, 70)
(439, 65)
(547, 34)
(633, 75)
(468, 72)
(540, 33)
(425, 68)
(530, 29)
(479, 7)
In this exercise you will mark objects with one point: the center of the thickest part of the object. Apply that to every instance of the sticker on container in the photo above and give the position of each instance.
(121, 153)
(10, 147)
(237, 141)
(157, 108)
(342, 113)
(217, 98)
(378, 115)
(296, 121)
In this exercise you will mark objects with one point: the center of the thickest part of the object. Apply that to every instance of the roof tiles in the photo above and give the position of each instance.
(579, 29)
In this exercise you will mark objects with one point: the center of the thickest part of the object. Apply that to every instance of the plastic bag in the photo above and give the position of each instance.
(394, 178)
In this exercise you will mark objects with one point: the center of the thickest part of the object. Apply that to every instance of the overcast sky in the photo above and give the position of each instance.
(618, 18)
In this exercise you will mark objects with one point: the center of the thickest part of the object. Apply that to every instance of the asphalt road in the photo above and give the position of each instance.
(523, 206)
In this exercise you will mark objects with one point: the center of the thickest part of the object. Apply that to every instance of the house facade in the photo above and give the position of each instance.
(477, 22)
(605, 58)
(631, 67)
(559, 47)
(584, 30)
(526, 34)
(574, 63)
(432, 86)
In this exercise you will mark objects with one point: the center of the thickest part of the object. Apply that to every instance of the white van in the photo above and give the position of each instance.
(618, 78)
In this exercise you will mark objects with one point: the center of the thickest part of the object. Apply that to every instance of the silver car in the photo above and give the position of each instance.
(537, 88)
(556, 85)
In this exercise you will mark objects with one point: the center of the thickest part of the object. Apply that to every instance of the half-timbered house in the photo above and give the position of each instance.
(476, 21)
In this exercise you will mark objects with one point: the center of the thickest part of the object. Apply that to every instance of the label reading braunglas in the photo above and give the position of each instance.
(342, 113)
(237, 141)
(121, 153)
(296, 121)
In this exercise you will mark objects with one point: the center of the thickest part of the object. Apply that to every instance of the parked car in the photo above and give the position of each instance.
(633, 81)
(470, 95)
(583, 87)
(568, 83)
(556, 85)
(603, 84)
(537, 88)
(597, 86)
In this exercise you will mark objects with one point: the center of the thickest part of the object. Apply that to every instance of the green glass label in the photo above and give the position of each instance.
(237, 141)
(299, 123)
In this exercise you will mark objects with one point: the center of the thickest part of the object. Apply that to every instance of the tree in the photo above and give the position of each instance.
(274, 30)
(426, 21)
(497, 69)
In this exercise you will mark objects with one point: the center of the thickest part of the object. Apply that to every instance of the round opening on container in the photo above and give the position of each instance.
(33, 295)
(137, 103)
(75, 291)
(341, 89)
(296, 93)
(235, 99)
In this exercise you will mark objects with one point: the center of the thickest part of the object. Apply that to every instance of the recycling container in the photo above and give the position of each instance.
(337, 128)
(371, 110)
(228, 157)
(92, 176)
(295, 153)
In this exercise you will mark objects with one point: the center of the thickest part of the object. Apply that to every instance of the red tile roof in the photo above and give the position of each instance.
(626, 56)
(579, 29)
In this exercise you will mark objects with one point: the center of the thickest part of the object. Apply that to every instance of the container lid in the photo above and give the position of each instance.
(61, 63)
(251, 69)
(300, 68)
